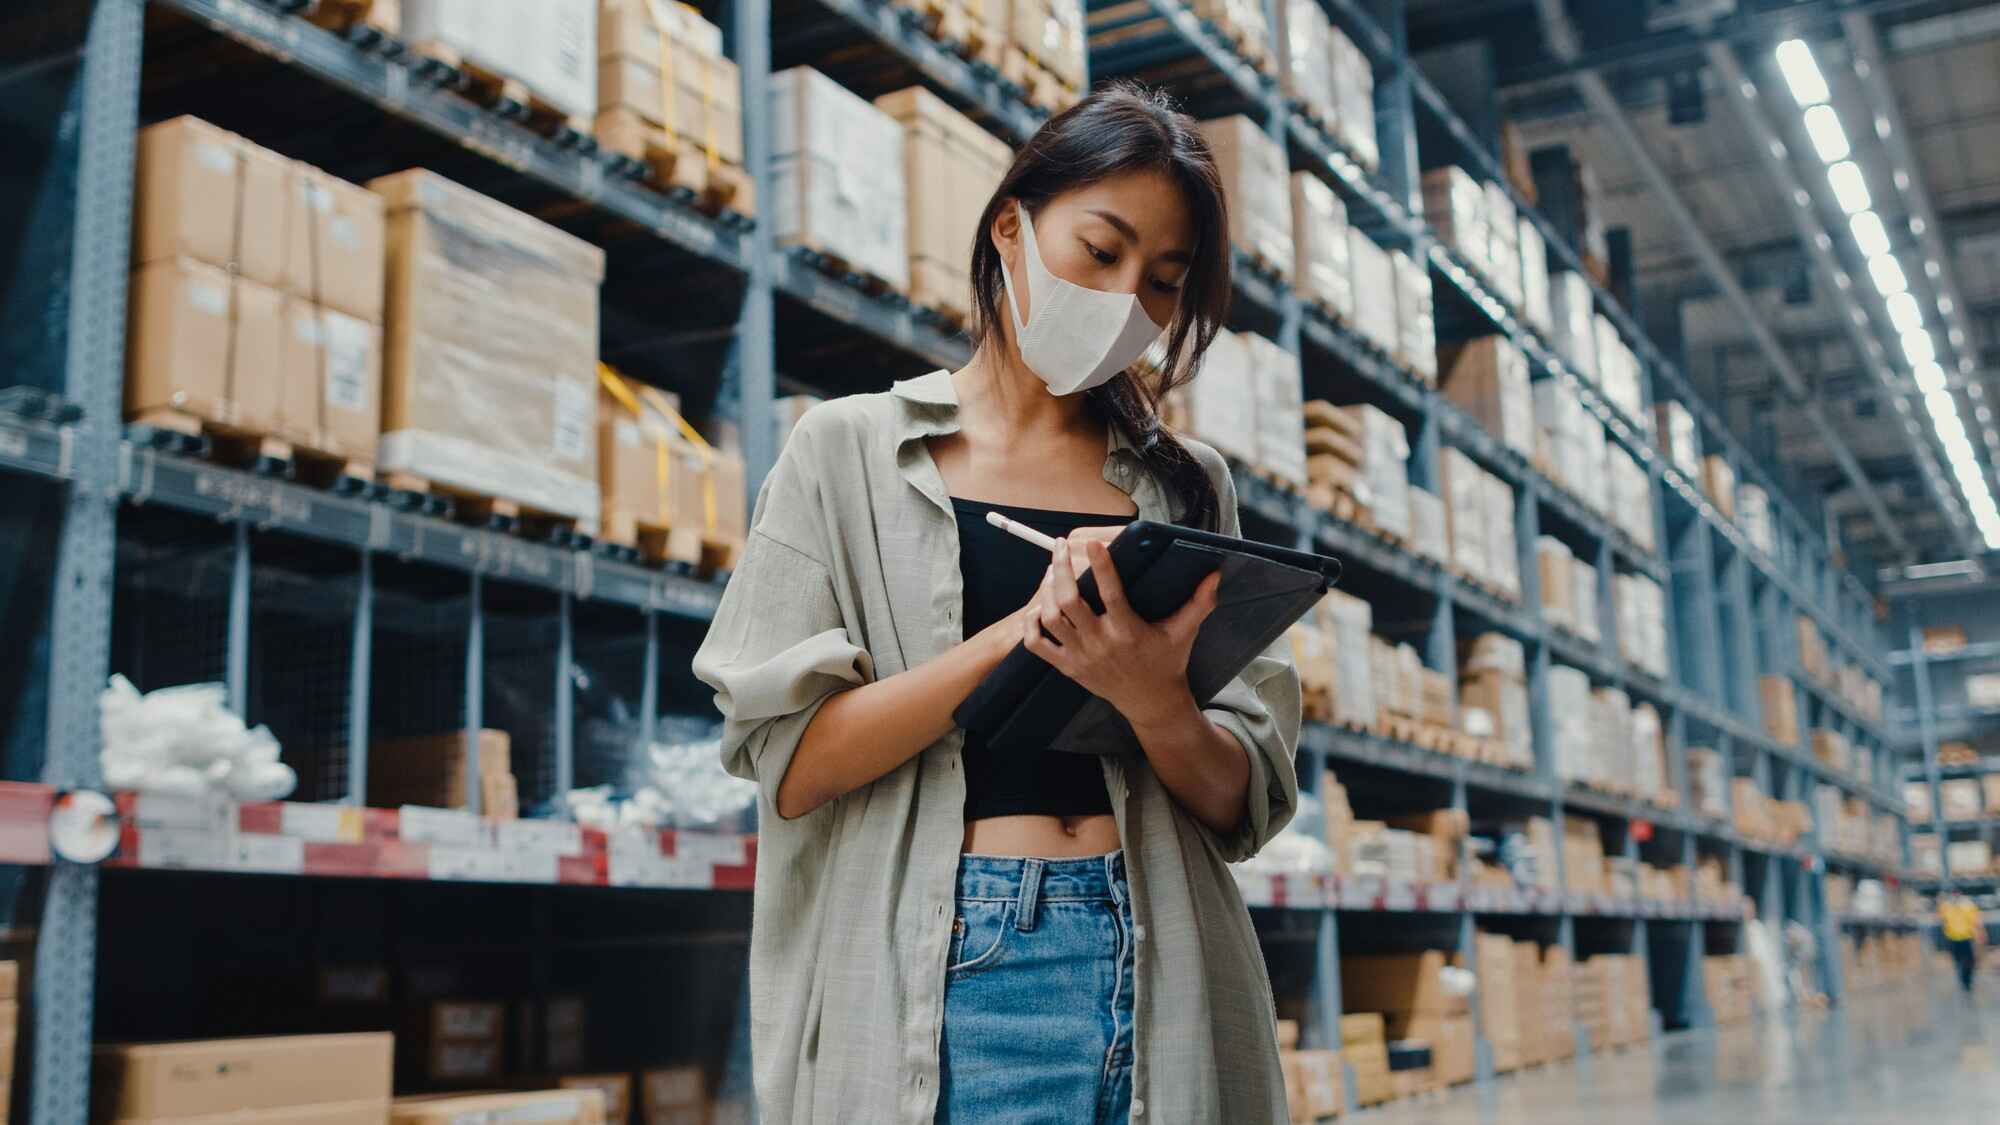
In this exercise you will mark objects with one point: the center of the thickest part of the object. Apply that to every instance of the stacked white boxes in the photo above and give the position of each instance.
(1753, 515)
(1354, 100)
(1280, 409)
(1503, 559)
(1455, 205)
(1385, 468)
(837, 175)
(1305, 60)
(1416, 323)
(1258, 182)
(1649, 749)
(1615, 766)
(1488, 378)
(1708, 781)
(1504, 253)
(1570, 329)
(1493, 695)
(1556, 562)
(1573, 445)
(1631, 495)
(1347, 621)
(1222, 401)
(1375, 283)
(1428, 536)
(1642, 626)
(1464, 492)
(1574, 714)
(1618, 371)
(1586, 603)
(1324, 267)
(1535, 307)
(549, 46)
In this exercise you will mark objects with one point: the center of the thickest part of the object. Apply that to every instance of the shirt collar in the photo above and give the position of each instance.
(936, 393)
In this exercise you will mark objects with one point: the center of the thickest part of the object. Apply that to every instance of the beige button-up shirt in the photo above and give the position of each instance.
(851, 574)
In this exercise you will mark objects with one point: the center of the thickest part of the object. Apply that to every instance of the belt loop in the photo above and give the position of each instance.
(1031, 894)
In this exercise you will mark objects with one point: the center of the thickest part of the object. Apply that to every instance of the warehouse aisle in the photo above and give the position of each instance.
(1892, 1057)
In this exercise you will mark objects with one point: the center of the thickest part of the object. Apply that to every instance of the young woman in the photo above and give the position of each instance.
(941, 931)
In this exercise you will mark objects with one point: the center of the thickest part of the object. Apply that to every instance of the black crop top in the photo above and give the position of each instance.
(1001, 572)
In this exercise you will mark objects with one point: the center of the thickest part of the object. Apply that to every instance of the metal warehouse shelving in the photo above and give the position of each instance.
(745, 317)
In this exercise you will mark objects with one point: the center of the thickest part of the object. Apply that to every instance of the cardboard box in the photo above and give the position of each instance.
(204, 193)
(1375, 281)
(837, 176)
(1362, 1028)
(1454, 1054)
(951, 167)
(204, 344)
(616, 1090)
(1051, 32)
(1455, 205)
(664, 1091)
(544, 1107)
(190, 1079)
(1323, 266)
(1258, 184)
(1940, 639)
(432, 770)
(334, 240)
(701, 102)
(1370, 1063)
(331, 366)
(1488, 378)
(1718, 480)
(1278, 385)
(1571, 308)
(543, 44)
(1305, 58)
(1416, 324)
(1781, 712)
(1399, 982)
(490, 380)
(1535, 308)
(1427, 525)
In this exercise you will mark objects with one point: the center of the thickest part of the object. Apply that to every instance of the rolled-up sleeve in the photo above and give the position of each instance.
(1261, 709)
(779, 646)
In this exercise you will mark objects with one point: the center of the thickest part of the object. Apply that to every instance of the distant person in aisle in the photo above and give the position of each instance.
(942, 931)
(1964, 934)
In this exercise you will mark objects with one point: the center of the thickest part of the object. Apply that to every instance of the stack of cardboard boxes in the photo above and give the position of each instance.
(1323, 264)
(1488, 378)
(1455, 205)
(1708, 782)
(1364, 1046)
(1479, 519)
(1781, 709)
(1493, 696)
(1571, 329)
(1328, 77)
(1753, 515)
(542, 46)
(1375, 281)
(1493, 965)
(1044, 53)
(1246, 403)
(950, 168)
(669, 98)
(837, 177)
(455, 1042)
(257, 298)
(1641, 605)
(1570, 446)
(664, 491)
(1416, 323)
(1360, 453)
(1679, 437)
(1613, 999)
(1504, 256)
(1416, 1006)
(1729, 984)
(1258, 184)
(338, 1079)
(1315, 1081)
(1718, 481)
(1618, 371)
(1631, 491)
(434, 771)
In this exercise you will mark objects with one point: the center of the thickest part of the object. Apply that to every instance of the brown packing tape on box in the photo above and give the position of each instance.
(205, 193)
(335, 243)
(165, 1080)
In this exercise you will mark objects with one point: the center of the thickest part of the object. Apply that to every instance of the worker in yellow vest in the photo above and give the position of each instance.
(1964, 933)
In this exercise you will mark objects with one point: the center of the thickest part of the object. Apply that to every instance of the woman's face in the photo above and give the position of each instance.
(1128, 234)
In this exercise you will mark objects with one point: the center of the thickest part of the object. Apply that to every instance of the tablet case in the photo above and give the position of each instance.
(1026, 704)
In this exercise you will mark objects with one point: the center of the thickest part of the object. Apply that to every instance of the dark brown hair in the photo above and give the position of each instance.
(1121, 128)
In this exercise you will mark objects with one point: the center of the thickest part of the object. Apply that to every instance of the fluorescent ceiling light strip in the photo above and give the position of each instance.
(1870, 237)
(1850, 187)
(1828, 138)
(1904, 313)
(1801, 71)
(1887, 274)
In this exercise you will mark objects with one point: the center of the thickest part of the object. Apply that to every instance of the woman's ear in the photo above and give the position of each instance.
(1006, 232)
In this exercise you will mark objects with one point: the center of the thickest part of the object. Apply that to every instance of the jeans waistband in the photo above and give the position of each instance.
(1098, 877)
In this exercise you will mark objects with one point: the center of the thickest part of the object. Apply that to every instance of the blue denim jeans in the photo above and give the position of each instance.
(1038, 993)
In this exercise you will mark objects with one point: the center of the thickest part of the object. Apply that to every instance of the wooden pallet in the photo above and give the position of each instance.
(688, 548)
(292, 457)
(358, 17)
(678, 166)
(465, 505)
(941, 291)
(837, 266)
(509, 96)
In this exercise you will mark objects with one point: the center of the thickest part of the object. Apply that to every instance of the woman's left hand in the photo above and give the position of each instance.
(1138, 666)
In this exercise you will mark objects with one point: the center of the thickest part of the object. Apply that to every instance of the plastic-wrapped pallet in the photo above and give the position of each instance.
(1753, 515)
(1503, 559)
(1586, 600)
(1427, 526)
(1571, 331)
(1354, 100)
(1375, 316)
(1649, 749)
(1593, 486)
(1535, 307)
(951, 166)
(1679, 437)
(1222, 412)
(1386, 453)
(1554, 561)
(1488, 377)
(1616, 766)
(1455, 205)
(664, 82)
(1258, 183)
(546, 45)
(1504, 252)
(1571, 709)
(1563, 434)
(490, 383)
(1416, 324)
(1305, 61)
(1324, 269)
(1631, 496)
(1348, 621)
(1464, 489)
(1280, 411)
(837, 175)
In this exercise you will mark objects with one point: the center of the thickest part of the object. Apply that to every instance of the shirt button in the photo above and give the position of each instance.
(1138, 1107)
(1139, 933)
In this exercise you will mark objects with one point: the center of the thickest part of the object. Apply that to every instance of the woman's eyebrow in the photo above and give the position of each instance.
(1179, 257)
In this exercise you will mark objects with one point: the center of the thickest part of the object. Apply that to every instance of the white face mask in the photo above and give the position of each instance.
(1076, 338)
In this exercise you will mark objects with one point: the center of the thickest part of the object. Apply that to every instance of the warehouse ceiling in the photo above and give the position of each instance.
(1943, 70)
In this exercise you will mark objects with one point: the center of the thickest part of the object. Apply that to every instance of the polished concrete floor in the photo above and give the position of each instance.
(1917, 1054)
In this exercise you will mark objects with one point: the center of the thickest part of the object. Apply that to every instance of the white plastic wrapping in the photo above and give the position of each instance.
(1280, 412)
(1306, 59)
(1222, 399)
(1385, 466)
(1374, 292)
(1416, 323)
(184, 740)
(837, 175)
(1570, 312)
(548, 45)
(1324, 269)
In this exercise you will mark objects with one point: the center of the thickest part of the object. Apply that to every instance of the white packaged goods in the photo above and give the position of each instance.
(951, 167)
(549, 46)
(1280, 411)
(1504, 251)
(1386, 455)
(1593, 483)
(1488, 378)
(185, 741)
(1968, 857)
(1554, 563)
(1222, 407)
(1348, 620)
(1631, 496)
(1258, 184)
(1707, 781)
(1570, 330)
(1917, 799)
(1983, 690)
(1679, 437)
(1455, 204)
(1051, 32)
(1588, 604)
(1324, 266)
(1374, 292)
(837, 175)
(1464, 490)
(1503, 560)
(1570, 707)
(1960, 799)
(1354, 98)
(489, 383)
(1416, 327)
(1305, 62)
(1535, 279)
(1649, 751)
(1570, 441)
(1427, 526)
(1615, 760)
(1753, 515)
(1642, 627)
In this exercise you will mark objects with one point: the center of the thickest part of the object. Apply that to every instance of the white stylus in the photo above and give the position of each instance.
(1022, 531)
